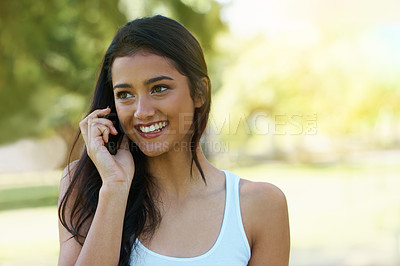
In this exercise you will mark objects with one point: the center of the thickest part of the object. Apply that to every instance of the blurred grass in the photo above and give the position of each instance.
(27, 190)
(340, 215)
(29, 237)
(345, 214)
(28, 218)
(27, 197)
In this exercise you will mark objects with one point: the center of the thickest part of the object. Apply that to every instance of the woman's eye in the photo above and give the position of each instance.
(158, 89)
(123, 95)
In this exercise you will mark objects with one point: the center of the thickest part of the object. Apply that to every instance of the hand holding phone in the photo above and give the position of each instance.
(114, 140)
(114, 164)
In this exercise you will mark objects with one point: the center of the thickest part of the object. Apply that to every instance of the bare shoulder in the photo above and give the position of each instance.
(262, 204)
(262, 196)
(69, 248)
(69, 170)
(66, 176)
(265, 218)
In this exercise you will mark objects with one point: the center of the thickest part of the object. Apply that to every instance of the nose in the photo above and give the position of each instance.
(144, 109)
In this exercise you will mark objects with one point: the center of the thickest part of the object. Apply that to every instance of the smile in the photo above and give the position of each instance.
(152, 130)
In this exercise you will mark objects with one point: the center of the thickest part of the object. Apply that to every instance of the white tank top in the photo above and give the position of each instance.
(231, 247)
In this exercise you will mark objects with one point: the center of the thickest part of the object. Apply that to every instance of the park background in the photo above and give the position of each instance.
(305, 95)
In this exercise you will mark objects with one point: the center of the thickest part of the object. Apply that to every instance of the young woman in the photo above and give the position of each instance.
(158, 201)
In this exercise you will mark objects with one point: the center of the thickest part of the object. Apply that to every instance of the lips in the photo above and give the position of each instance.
(152, 130)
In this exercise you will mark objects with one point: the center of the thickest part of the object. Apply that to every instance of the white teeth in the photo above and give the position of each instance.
(155, 127)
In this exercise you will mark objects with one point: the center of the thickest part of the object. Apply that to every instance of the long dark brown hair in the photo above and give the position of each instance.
(165, 37)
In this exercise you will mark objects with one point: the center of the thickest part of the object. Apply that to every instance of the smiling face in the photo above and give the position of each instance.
(153, 103)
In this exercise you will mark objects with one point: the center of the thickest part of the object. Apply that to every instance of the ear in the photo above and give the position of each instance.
(200, 100)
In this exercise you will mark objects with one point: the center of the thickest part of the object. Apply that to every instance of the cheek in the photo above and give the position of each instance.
(185, 118)
(185, 121)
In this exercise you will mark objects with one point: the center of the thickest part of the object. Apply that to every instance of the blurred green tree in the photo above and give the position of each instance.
(51, 51)
(277, 89)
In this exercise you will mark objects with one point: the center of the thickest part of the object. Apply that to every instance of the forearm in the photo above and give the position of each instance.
(103, 242)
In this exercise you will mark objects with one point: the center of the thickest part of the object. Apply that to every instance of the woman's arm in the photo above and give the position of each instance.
(104, 232)
(265, 215)
(103, 242)
(69, 248)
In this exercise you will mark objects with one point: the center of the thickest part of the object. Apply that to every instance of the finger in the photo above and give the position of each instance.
(99, 130)
(99, 112)
(97, 141)
(96, 135)
(104, 128)
(96, 114)
(106, 122)
(85, 131)
(105, 134)
(83, 125)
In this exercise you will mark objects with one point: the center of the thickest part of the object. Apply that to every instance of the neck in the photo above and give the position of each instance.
(172, 172)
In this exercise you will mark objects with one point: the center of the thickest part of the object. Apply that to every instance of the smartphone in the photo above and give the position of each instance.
(114, 140)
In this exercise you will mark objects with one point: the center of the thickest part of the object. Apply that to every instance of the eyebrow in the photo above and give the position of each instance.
(147, 82)
(155, 79)
(122, 86)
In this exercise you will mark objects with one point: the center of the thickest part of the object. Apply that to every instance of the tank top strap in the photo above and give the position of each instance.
(234, 223)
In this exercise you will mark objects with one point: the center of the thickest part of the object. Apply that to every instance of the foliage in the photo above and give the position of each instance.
(51, 51)
(340, 84)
